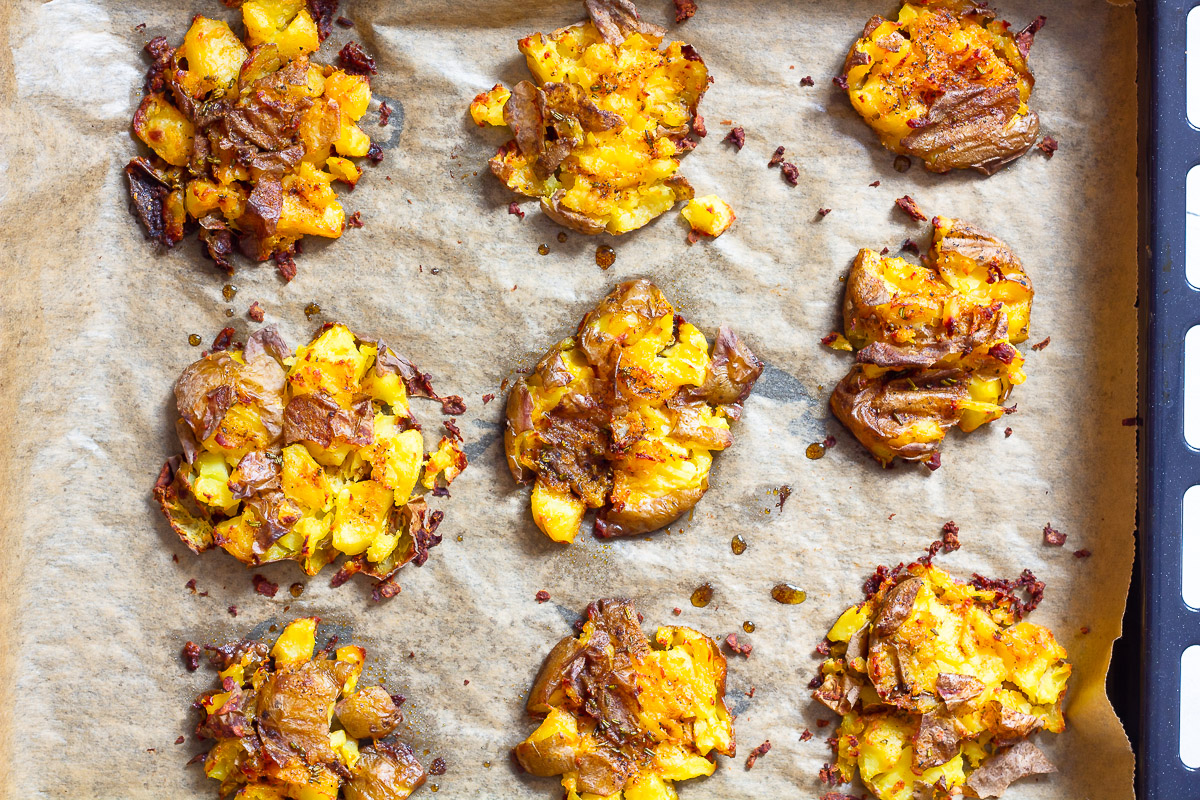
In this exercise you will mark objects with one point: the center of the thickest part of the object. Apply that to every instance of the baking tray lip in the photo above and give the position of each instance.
(1168, 306)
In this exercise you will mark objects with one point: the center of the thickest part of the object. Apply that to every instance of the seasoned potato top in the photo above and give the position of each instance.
(624, 416)
(934, 341)
(946, 82)
(307, 456)
(936, 681)
(598, 132)
(248, 137)
(290, 723)
(624, 717)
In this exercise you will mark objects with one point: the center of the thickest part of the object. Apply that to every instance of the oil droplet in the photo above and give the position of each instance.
(815, 450)
(459, 538)
(229, 291)
(433, 787)
(296, 589)
(703, 595)
(605, 256)
(788, 594)
(562, 236)
(311, 310)
(748, 626)
(543, 249)
(738, 545)
(229, 312)
(273, 628)
(194, 340)
(487, 764)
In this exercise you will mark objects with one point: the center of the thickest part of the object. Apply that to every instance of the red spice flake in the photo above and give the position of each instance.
(805, 735)
(233, 611)
(224, 341)
(736, 137)
(438, 767)
(777, 157)
(387, 589)
(256, 312)
(1003, 352)
(807, 80)
(751, 692)
(830, 339)
(515, 210)
(1084, 553)
(466, 683)
(910, 246)
(891, 516)
(823, 647)
(141, 26)
(790, 173)
(375, 153)
(285, 265)
(385, 114)
(830, 774)
(1007, 432)
(935, 462)
(815, 682)
(179, 740)
(1048, 145)
(452, 430)
(758, 753)
(354, 220)
(741, 648)
(1027, 582)
(677, 611)
(785, 492)
(821, 723)
(909, 206)
(542, 596)
(873, 184)
(1052, 537)
(838, 796)
(191, 656)
(345, 23)
(830, 442)
(354, 59)
(191, 585)
(1042, 345)
(684, 10)
(823, 212)
(881, 575)
(453, 405)
(264, 586)
(1131, 422)
(950, 537)
(841, 82)
(487, 398)
(175, 558)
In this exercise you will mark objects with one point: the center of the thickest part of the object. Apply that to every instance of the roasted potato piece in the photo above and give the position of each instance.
(709, 216)
(306, 456)
(625, 718)
(273, 724)
(599, 131)
(936, 679)
(244, 136)
(934, 342)
(623, 417)
(945, 82)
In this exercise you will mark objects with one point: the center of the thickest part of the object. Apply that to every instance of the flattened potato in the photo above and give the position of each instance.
(623, 417)
(624, 717)
(945, 82)
(934, 342)
(936, 679)
(306, 456)
(245, 134)
(599, 131)
(275, 734)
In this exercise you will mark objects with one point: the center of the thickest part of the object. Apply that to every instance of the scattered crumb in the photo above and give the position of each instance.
(909, 206)
(516, 211)
(736, 137)
(1048, 145)
(684, 10)
(758, 753)
(1052, 537)
(256, 312)
(807, 80)
(542, 596)
(1042, 345)
(1084, 553)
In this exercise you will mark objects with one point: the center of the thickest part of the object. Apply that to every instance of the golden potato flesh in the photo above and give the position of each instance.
(275, 734)
(599, 131)
(248, 137)
(934, 342)
(938, 681)
(306, 456)
(946, 82)
(625, 718)
(625, 415)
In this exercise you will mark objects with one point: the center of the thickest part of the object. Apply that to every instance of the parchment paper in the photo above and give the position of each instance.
(95, 325)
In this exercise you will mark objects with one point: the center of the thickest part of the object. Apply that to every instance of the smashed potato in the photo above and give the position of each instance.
(289, 723)
(624, 718)
(248, 138)
(307, 456)
(599, 131)
(940, 684)
(935, 343)
(945, 82)
(624, 416)
(708, 216)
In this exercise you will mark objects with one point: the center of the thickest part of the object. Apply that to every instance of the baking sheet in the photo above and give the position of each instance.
(94, 331)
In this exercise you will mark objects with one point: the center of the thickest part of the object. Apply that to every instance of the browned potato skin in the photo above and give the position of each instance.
(370, 712)
(868, 407)
(654, 513)
(384, 772)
